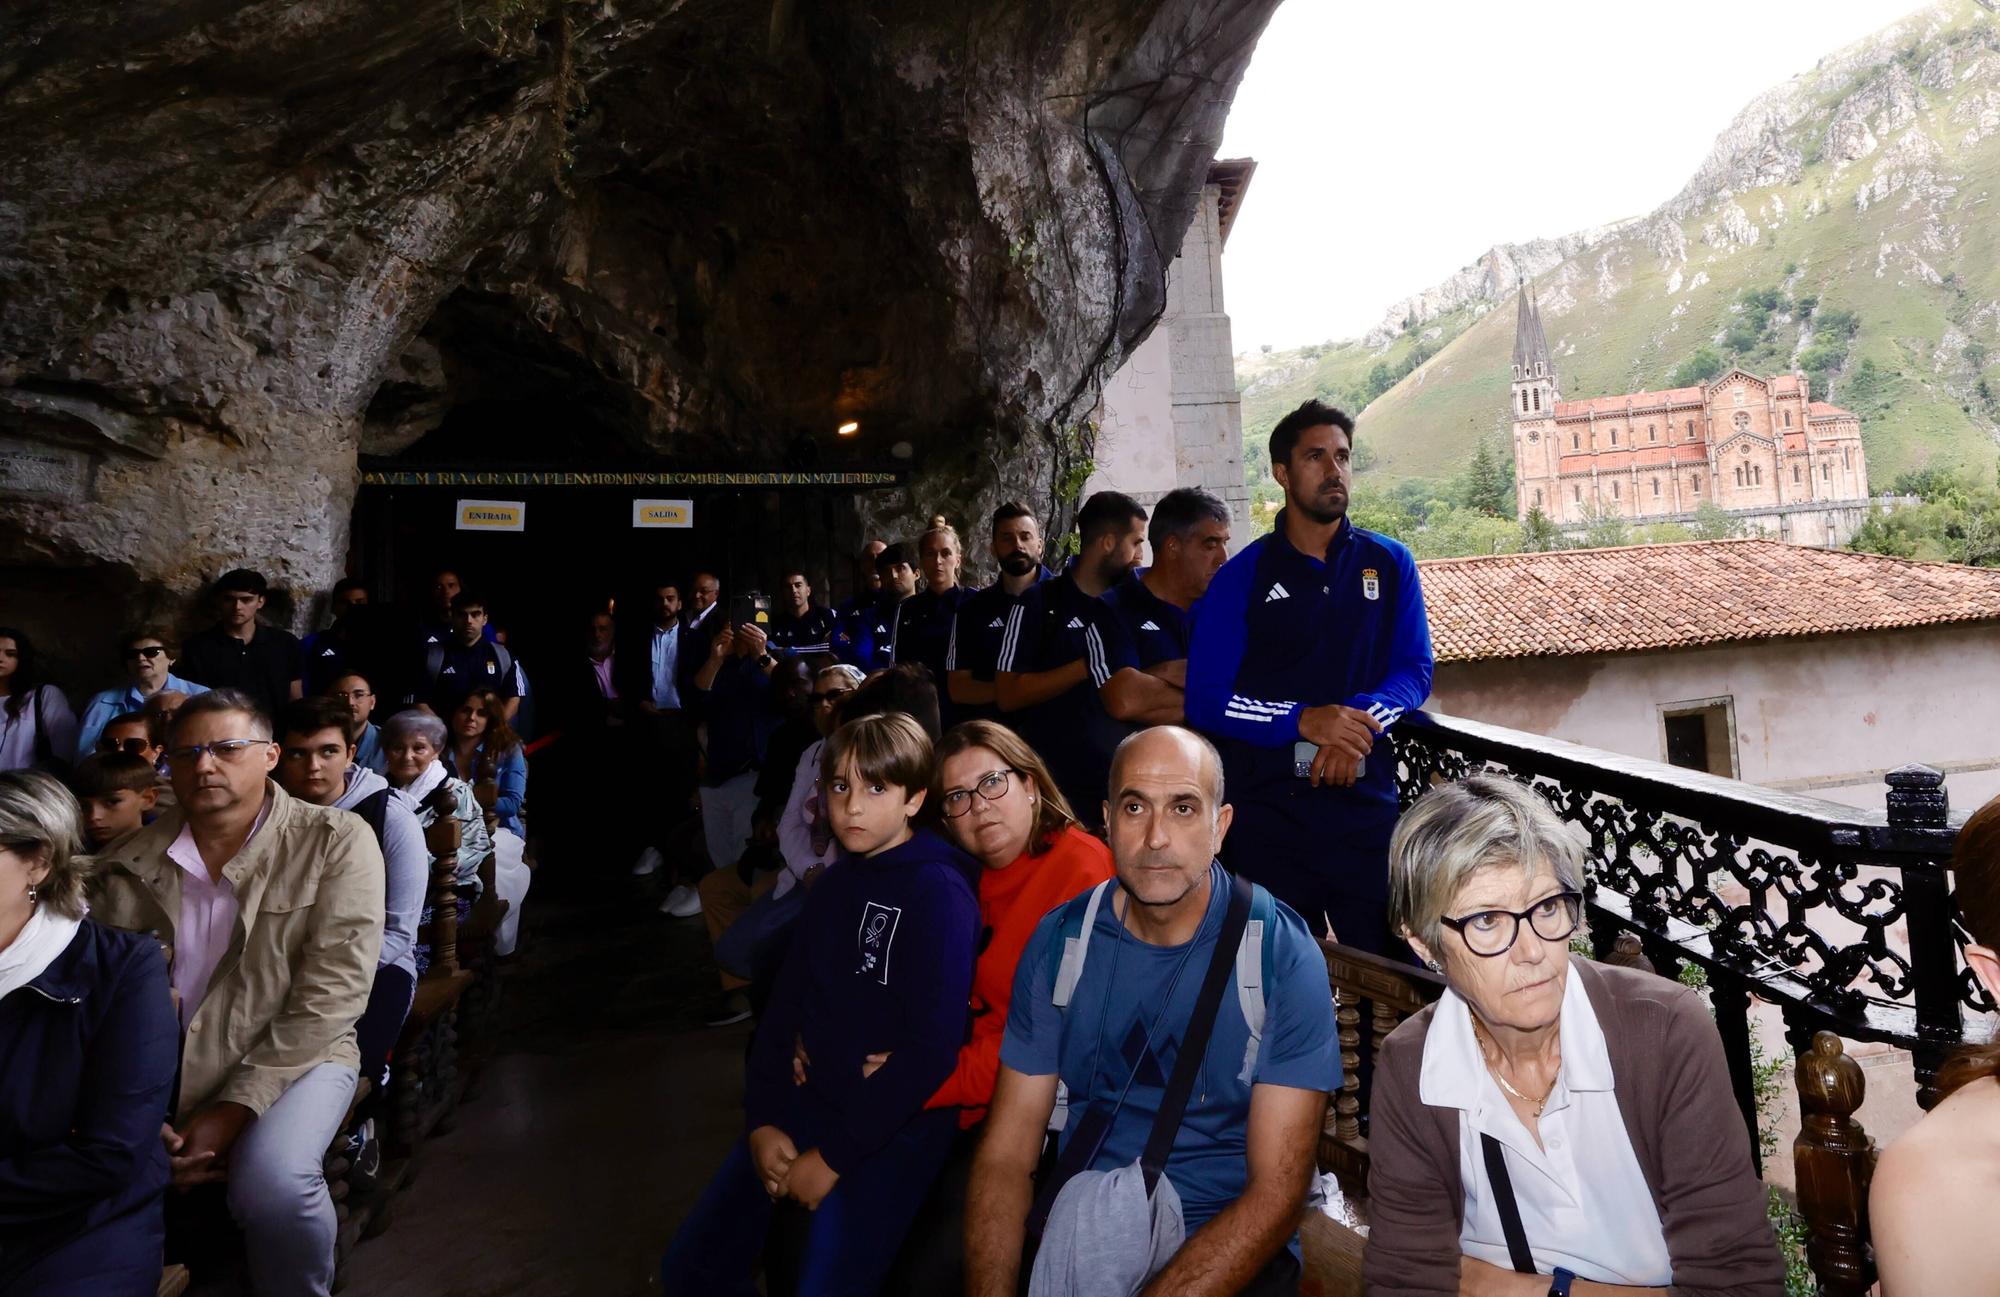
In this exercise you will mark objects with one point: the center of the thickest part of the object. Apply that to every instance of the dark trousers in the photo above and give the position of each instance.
(382, 1021)
(932, 1262)
(850, 1241)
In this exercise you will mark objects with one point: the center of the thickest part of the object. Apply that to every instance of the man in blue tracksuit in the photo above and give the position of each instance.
(1307, 648)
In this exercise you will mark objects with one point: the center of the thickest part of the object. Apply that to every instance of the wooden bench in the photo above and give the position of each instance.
(423, 1076)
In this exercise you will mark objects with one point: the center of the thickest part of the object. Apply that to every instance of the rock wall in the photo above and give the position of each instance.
(241, 243)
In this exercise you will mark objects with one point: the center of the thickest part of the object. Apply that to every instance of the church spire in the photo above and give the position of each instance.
(1531, 348)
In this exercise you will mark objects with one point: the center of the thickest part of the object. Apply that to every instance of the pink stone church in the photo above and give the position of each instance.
(1761, 449)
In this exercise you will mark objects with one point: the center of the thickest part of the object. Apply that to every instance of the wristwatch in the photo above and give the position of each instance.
(767, 661)
(1559, 1286)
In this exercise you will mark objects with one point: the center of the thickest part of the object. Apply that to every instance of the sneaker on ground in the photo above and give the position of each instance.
(683, 902)
(729, 1010)
(649, 861)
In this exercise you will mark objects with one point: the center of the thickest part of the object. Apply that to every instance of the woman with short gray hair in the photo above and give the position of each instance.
(88, 1051)
(1551, 1124)
(413, 744)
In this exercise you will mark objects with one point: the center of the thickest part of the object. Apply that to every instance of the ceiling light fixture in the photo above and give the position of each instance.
(848, 429)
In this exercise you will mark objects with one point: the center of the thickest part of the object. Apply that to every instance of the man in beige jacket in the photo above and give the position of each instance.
(273, 910)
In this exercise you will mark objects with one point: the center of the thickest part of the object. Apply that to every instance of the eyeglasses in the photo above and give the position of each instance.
(826, 699)
(991, 786)
(353, 695)
(222, 749)
(137, 747)
(1493, 932)
(149, 652)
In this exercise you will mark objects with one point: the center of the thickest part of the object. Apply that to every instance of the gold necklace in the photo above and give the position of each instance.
(1538, 1104)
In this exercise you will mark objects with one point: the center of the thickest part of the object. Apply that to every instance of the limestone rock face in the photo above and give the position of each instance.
(242, 243)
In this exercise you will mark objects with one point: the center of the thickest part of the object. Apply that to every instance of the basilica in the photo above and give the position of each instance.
(1759, 448)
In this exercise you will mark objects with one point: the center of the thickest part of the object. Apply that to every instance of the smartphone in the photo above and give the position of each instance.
(751, 609)
(1305, 752)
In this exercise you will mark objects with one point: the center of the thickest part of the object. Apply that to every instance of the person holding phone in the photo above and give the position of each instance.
(1306, 649)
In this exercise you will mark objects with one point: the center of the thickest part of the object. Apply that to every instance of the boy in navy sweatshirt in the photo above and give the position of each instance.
(882, 964)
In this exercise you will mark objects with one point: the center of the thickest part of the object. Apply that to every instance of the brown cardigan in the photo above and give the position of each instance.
(1673, 1090)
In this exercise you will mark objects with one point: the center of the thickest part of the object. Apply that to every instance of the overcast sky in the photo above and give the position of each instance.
(1388, 137)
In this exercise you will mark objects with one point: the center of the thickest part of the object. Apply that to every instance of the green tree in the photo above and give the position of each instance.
(1696, 369)
(1484, 486)
(1539, 533)
(1711, 523)
(1604, 528)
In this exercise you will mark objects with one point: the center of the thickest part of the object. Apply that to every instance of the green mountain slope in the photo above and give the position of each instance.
(1845, 225)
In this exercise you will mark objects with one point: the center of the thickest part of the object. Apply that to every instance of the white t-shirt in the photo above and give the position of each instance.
(1584, 1201)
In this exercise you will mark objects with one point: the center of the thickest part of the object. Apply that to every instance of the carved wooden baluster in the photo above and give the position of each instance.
(1386, 1021)
(442, 839)
(1834, 1160)
(1347, 1108)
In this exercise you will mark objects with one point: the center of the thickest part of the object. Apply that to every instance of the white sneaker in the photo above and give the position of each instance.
(683, 902)
(649, 862)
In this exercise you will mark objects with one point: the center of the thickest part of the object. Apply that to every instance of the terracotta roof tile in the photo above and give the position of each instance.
(1645, 598)
(1636, 400)
(1821, 410)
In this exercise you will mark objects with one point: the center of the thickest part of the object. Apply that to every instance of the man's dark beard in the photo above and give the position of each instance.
(1318, 515)
(1110, 572)
(1019, 563)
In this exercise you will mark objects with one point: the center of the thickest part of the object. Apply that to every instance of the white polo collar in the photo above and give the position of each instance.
(1454, 1070)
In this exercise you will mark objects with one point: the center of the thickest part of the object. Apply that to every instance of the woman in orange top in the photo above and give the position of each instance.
(1001, 806)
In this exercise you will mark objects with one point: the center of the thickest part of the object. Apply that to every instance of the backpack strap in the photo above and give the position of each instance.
(1194, 1044)
(1076, 947)
(1253, 974)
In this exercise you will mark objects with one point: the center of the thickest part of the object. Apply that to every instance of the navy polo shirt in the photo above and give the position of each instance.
(810, 633)
(1054, 624)
(922, 633)
(1149, 630)
(464, 670)
(263, 667)
(976, 631)
(871, 636)
(1280, 631)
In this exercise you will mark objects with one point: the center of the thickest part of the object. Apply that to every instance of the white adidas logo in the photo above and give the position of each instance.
(996, 624)
(1075, 623)
(1148, 625)
(1277, 592)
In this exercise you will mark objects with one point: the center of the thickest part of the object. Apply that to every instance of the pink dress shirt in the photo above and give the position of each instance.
(602, 666)
(207, 920)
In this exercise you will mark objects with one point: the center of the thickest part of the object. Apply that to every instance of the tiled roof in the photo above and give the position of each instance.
(1821, 410)
(1646, 598)
(1636, 400)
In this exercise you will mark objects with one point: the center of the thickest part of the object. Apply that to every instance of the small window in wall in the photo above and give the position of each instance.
(1538, 497)
(1576, 441)
(1656, 486)
(1695, 482)
(1700, 735)
(1788, 418)
(1538, 398)
(1739, 475)
(1524, 403)
(1847, 456)
(1757, 474)
(1795, 472)
(1690, 429)
(1579, 493)
(1826, 472)
(1614, 490)
(1614, 436)
(1651, 433)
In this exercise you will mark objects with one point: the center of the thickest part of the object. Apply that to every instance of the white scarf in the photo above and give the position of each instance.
(29, 956)
(433, 775)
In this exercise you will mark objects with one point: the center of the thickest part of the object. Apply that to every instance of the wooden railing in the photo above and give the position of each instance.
(1842, 918)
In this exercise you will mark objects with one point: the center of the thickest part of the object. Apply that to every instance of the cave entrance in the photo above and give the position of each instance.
(579, 548)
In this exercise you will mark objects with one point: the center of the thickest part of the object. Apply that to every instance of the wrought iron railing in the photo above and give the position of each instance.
(1842, 918)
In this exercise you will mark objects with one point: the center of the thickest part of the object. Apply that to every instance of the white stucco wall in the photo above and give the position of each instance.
(1824, 716)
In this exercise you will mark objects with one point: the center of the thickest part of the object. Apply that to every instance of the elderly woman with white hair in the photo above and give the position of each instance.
(412, 750)
(1551, 1124)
